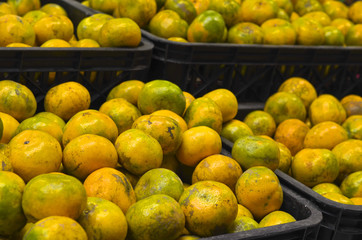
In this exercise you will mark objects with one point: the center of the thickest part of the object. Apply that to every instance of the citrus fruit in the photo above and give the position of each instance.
(128, 90)
(258, 11)
(6, 8)
(138, 151)
(300, 87)
(140, 11)
(354, 12)
(184, 8)
(208, 27)
(352, 104)
(219, 168)
(23, 6)
(92, 122)
(188, 237)
(10, 125)
(195, 139)
(234, 129)
(326, 107)
(5, 164)
(17, 100)
(356, 200)
(86, 42)
(53, 9)
(325, 135)
(303, 7)
(259, 190)
(12, 217)
(242, 223)
(260, 122)
(243, 211)
(250, 151)
(102, 219)
(189, 99)
(210, 208)
(278, 32)
(319, 16)
(161, 94)
(34, 152)
(245, 33)
(170, 162)
(56, 228)
(354, 36)
(353, 125)
(167, 23)
(112, 185)
(291, 133)
(276, 218)
(351, 185)
(119, 32)
(286, 5)
(33, 16)
(157, 217)
(180, 121)
(342, 24)
(87, 153)
(203, 111)
(333, 36)
(55, 43)
(230, 10)
(227, 102)
(337, 197)
(323, 188)
(89, 27)
(309, 32)
(314, 166)
(53, 194)
(285, 105)
(159, 181)
(107, 6)
(66, 99)
(164, 129)
(335, 9)
(20, 45)
(122, 112)
(285, 158)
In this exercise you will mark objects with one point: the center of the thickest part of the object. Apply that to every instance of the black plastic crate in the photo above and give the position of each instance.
(98, 69)
(340, 221)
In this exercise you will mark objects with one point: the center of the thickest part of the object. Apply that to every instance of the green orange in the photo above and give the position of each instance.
(351, 186)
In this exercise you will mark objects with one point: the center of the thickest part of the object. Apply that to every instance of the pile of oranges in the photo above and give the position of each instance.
(148, 165)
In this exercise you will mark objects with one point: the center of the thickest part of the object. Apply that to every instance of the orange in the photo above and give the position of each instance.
(33, 16)
(112, 185)
(323, 188)
(203, 111)
(201, 5)
(89, 27)
(219, 168)
(55, 43)
(188, 237)
(128, 90)
(6, 8)
(12, 216)
(5, 164)
(51, 116)
(66, 99)
(159, 181)
(294, 16)
(354, 36)
(17, 100)
(282, 15)
(335, 9)
(342, 24)
(353, 125)
(291, 133)
(285, 105)
(351, 185)
(354, 12)
(333, 36)
(177, 39)
(230, 10)
(314, 166)
(326, 107)
(325, 135)
(259, 190)
(140, 11)
(300, 87)
(157, 217)
(87, 153)
(245, 33)
(53, 9)
(92, 122)
(250, 151)
(348, 154)
(227, 102)
(258, 11)
(243, 211)
(53, 27)
(161, 94)
(119, 32)
(260, 122)
(198, 143)
(286, 5)
(86, 42)
(352, 104)
(184, 8)
(10, 124)
(319, 16)
(208, 27)
(167, 24)
(53, 194)
(164, 129)
(210, 208)
(23, 6)
(104, 6)
(337, 197)
(276, 218)
(138, 151)
(20, 234)
(305, 6)
(122, 112)
(102, 219)
(278, 32)
(180, 121)
(189, 98)
(133, 179)
(34, 152)
(242, 223)
(309, 31)
(285, 158)
(17, 45)
(357, 200)
(234, 129)
(5, 149)
(56, 228)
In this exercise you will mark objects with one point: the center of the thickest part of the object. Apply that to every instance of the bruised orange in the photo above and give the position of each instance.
(353, 125)
(352, 103)
(245, 33)
(180, 121)
(351, 185)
